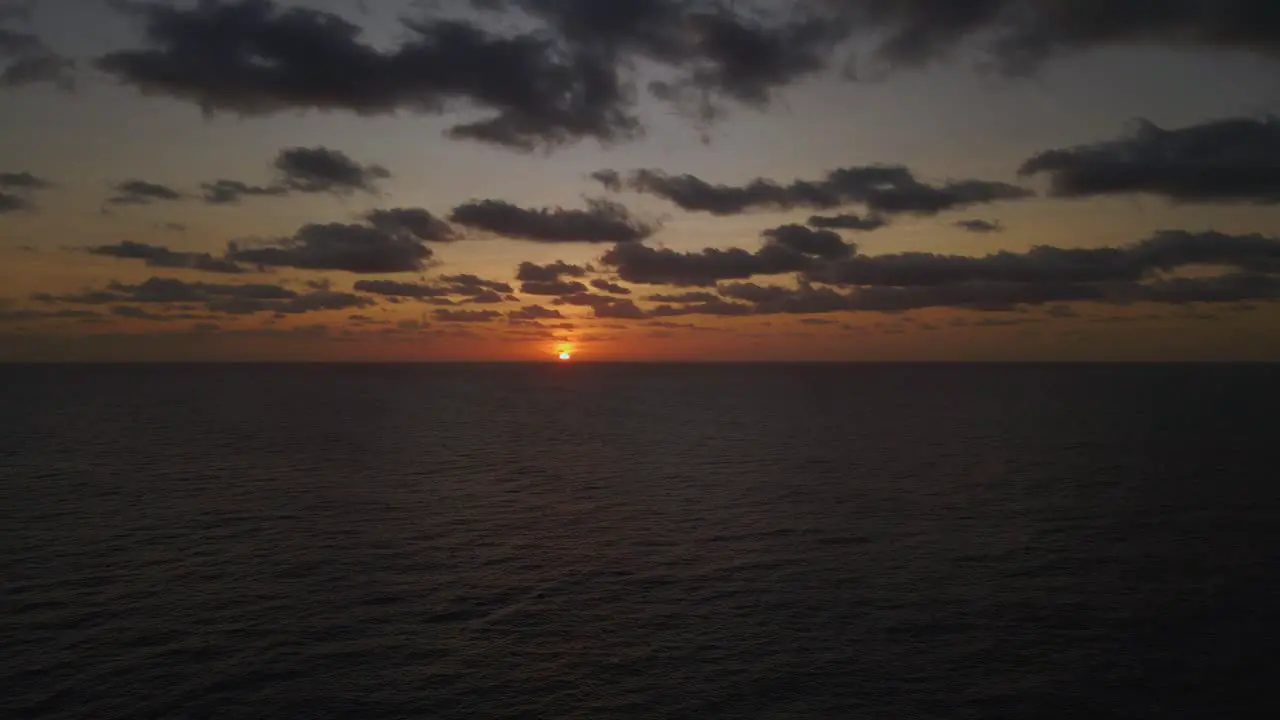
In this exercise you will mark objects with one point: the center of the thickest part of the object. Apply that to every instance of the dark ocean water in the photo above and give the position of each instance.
(640, 541)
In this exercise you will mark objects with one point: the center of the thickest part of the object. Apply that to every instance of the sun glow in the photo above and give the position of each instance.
(564, 355)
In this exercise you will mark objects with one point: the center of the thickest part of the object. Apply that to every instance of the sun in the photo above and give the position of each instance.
(564, 355)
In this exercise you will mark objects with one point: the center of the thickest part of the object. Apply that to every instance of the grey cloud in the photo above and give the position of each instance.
(980, 226)
(392, 288)
(230, 192)
(163, 257)
(639, 264)
(882, 189)
(220, 298)
(535, 312)
(847, 222)
(610, 287)
(336, 246)
(323, 170)
(604, 306)
(16, 190)
(414, 221)
(554, 287)
(141, 192)
(470, 286)
(256, 57)
(530, 272)
(601, 222)
(824, 244)
(467, 316)
(1232, 160)
(26, 59)
(688, 297)
(473, 285)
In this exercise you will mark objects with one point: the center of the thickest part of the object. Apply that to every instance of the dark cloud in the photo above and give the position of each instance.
(256, 57)
(322, 170)
(1018, 36)
(604, 306)
(413, 221)
(601, 222)
(553, 287)
(64, 314)
(467, 316)
(1234, 160)
(980, 226)
(141, 192)
(535, 312)
(227, 299)
(639, 264)
(824, 244)
(163, 257)
(138, 313)
(22, 182)
(473, 285)
(688, 297)
(847, 222)
(10, 202)
(710, 307)
(230, 192)
(610, 287)
(337, 246)
(25, 59)
(392, 288)
(882, 189)
(529, 272)
(474, 288)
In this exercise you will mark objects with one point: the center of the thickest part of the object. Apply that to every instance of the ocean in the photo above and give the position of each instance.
(639, 541)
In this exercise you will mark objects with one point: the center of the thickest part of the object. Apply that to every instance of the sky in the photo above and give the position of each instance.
(495, 180)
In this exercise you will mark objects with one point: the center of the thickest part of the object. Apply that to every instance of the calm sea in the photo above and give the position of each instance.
(543, 541)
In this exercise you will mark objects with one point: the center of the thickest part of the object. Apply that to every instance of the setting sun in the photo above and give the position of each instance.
(565, 356)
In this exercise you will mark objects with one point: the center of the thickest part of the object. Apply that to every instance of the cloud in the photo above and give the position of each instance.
(1233, 160)
(467, 316)
(470, 286)
(416, 222)
(255, 57)
(847, 222)
(535, 312)
(643, 265)
(1019, 37)
(220, 298)
(824, 244)
(25, 59)
(553, 287)
(688, 297)
(16, 316)
(601, 222)
(17, 189)
(529, 272)
(336, 246)
(882, 189)
(604, 306)
(141, 192)
(980, 226)
(609, 287)
(230, 192)
(322, 170)
(162, 257)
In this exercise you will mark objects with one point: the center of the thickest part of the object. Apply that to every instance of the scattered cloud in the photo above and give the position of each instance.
(162, 257)
(604, 306)
(1233, 160)
(552, 287)
(530, 272)
(467, 316)
(141, 192)
(644, 265)
(535, 312)
(16, 190)
(219, 298)
(848, 222)
(416, 222)
(980, 226)
(610, 287)
(882, 189)
(25, 58)
(230, 192)
(825, 244)
(337, 246)
(601, 222)
(323, 170)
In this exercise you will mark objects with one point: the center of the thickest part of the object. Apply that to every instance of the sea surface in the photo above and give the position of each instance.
(640, 541)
